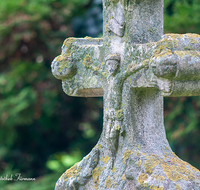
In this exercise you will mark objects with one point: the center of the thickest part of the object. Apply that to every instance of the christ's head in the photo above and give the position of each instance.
(112, 63)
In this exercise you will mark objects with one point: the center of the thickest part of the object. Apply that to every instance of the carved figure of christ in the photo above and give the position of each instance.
(113, 89)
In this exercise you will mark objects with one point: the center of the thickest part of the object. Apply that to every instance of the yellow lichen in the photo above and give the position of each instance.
(124, 177)
(178, 187)
(118, 127)
(69, 44)
(151, 163)
(142, 177)
(189, 53)
(102, 63)
(127, 153)
(164, 53)
(152, 187)
(174, 36)
(168, 43)
(138, 153)
(72, 172)
(108, 182)
(139, 163)
(106, 27)
(96, 182)
(98, 146)
(159, 177)
(194, 169)
(180, 53)
(96, 68)
(63, 62)
(190, 35)
(145, 62)
(95, 175)
(69, 41)
(89, 38)
(193, 41)
(87, 61)
(115, 185)
(174, 168)
(87, 157)
(105, 159)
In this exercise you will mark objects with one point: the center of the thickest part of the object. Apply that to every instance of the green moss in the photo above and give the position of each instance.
(188, 48)
(118, 127)
(119, 114)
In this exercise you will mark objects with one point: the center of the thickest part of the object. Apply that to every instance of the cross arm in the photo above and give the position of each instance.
(176, 63)
(71, 66)
(133, 68)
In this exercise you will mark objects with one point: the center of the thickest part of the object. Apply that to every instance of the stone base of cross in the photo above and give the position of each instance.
(132, 67)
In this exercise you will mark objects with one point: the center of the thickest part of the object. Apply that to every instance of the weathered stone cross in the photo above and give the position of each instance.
(132, 67)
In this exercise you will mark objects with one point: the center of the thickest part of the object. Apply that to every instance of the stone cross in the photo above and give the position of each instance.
(133, 66)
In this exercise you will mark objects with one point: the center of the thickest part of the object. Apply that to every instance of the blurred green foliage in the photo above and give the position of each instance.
(43, 131)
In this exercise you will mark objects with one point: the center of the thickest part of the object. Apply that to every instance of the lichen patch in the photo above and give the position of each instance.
(96, 176)
(150, 164)
(139, 163)
(108, 182)
(127, 153)
(152, 187)
(97, 172)
(142, 178)
(113, 170)
(73, 172)
(159, 177)
(123, 177)
(178, 187)
(105, 159)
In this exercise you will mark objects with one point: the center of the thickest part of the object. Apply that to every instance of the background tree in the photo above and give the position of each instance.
(42, 130)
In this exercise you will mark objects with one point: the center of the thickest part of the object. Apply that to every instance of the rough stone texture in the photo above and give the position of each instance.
(132, 67)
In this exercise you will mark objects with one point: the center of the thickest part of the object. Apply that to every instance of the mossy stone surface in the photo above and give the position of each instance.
(133, 66)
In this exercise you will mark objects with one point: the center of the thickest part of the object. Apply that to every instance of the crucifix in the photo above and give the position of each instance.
(133, 66)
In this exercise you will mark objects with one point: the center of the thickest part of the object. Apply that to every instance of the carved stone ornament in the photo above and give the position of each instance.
(133, 66)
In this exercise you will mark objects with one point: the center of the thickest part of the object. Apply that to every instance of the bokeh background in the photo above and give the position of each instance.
(43, 131)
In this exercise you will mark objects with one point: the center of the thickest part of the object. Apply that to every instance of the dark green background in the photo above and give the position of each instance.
(43, 131)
